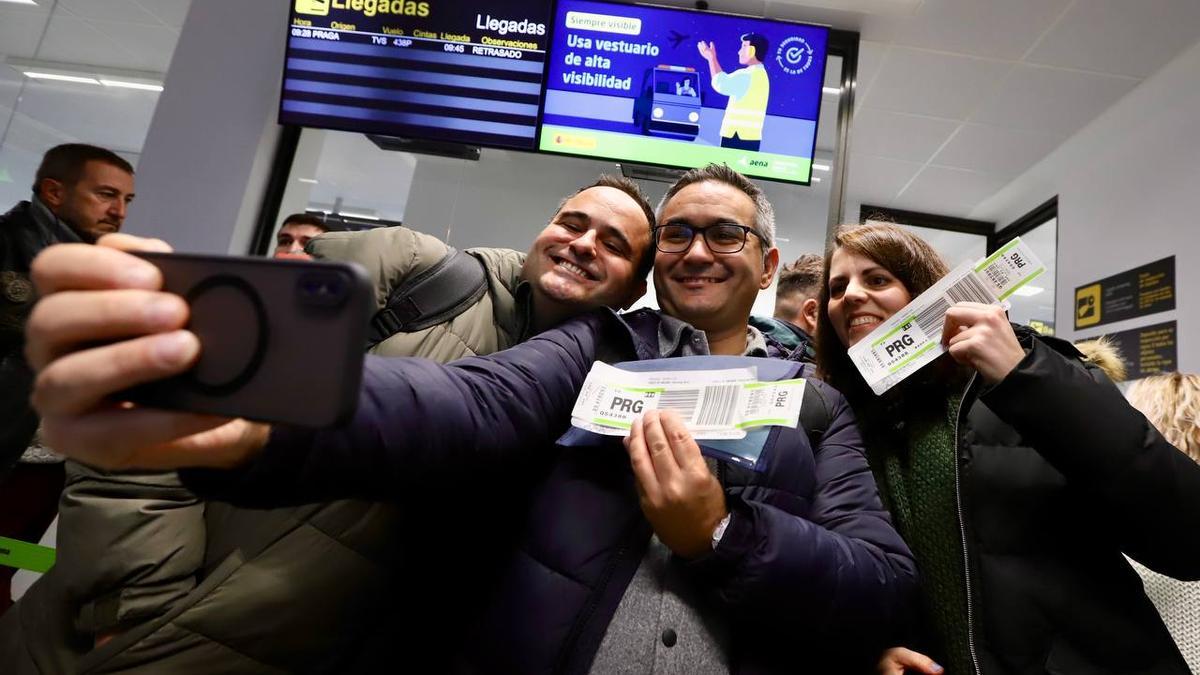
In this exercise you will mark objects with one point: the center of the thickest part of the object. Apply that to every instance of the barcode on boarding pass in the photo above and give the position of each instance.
(713, 405)
(968, 289)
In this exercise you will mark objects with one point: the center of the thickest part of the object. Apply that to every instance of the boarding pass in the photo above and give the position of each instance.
(912, 337)
(714, 404)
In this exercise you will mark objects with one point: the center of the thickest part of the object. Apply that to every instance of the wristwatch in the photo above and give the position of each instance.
(719, 531)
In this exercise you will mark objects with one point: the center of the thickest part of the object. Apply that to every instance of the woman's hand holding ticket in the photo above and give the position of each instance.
(980, 336)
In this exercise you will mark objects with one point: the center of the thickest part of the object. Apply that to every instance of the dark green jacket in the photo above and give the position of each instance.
(207, 587)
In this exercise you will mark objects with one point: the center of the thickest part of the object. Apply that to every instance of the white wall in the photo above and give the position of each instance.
(207, 155)
(1127, 187)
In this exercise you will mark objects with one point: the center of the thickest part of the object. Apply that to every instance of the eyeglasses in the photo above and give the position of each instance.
(725, 239)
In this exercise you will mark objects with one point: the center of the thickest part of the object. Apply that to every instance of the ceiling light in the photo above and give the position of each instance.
(60, 78)
(363, 216)
(831, 90)
(21, 2)
(79, 73)
(1028, 291)
(308, 180)
(821, 167)
(816, 180)
(144, 86)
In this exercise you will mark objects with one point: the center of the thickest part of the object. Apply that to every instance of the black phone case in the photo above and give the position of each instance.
(280, 340)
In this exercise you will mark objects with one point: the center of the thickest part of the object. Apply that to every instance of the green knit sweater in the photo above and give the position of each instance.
(918, 483)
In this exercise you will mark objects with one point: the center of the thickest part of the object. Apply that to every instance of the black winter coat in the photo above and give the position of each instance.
(21, 239)
(1058, 476)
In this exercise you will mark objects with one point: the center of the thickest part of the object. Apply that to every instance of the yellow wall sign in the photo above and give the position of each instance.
(1087, 306)
(1141, 291)
(315, 7)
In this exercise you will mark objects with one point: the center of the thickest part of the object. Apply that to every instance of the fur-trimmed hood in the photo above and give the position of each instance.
(1104, 354)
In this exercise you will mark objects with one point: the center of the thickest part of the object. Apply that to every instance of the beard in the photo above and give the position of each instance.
(93, 231)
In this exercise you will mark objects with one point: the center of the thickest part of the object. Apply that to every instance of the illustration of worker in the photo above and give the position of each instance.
(747, 88)
(684, 88)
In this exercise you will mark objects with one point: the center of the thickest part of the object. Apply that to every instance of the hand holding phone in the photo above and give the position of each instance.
(102, 326)
(280, 340)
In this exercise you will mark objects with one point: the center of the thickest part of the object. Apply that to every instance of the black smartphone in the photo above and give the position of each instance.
(280, 340)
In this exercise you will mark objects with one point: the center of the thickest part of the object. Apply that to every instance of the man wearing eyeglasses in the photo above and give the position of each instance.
(716, 251)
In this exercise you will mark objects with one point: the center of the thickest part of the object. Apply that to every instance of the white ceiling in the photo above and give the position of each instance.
(123, 35)
(955, 98)
(129, 34)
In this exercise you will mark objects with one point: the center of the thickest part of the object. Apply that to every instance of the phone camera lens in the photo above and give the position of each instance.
(322, 289)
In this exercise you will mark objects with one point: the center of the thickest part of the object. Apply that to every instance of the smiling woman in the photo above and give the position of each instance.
(862, 294)
(994, 460)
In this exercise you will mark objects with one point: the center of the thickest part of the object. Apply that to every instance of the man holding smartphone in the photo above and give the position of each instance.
(652, 559)
(132, 546)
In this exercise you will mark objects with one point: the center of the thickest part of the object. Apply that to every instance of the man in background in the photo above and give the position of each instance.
(798, 295)
(80, 192)
(297, 230)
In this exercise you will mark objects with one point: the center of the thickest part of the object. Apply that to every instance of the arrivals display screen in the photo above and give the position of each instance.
(464, 72)
(683, 88)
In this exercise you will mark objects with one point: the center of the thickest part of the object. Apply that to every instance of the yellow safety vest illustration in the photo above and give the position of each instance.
(745, 115)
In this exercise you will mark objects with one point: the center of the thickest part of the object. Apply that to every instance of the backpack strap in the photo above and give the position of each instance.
(815, 415)
(434, 296)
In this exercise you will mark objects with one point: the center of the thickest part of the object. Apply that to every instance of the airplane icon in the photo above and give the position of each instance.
(676, 38)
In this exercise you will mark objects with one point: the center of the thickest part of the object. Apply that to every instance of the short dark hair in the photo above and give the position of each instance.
(764, 214)
(629, 187)
(64, 163)
(906, 256)
(800, 278)
(306, 219)
(759, 43)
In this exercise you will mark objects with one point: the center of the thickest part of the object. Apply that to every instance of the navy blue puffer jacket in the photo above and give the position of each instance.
(810, 572)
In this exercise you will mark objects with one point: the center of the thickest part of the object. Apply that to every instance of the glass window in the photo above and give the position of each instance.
(349, 179)
(1033, 304)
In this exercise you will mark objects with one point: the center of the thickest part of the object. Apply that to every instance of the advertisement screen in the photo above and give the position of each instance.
(464, 72)
(683, 88)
